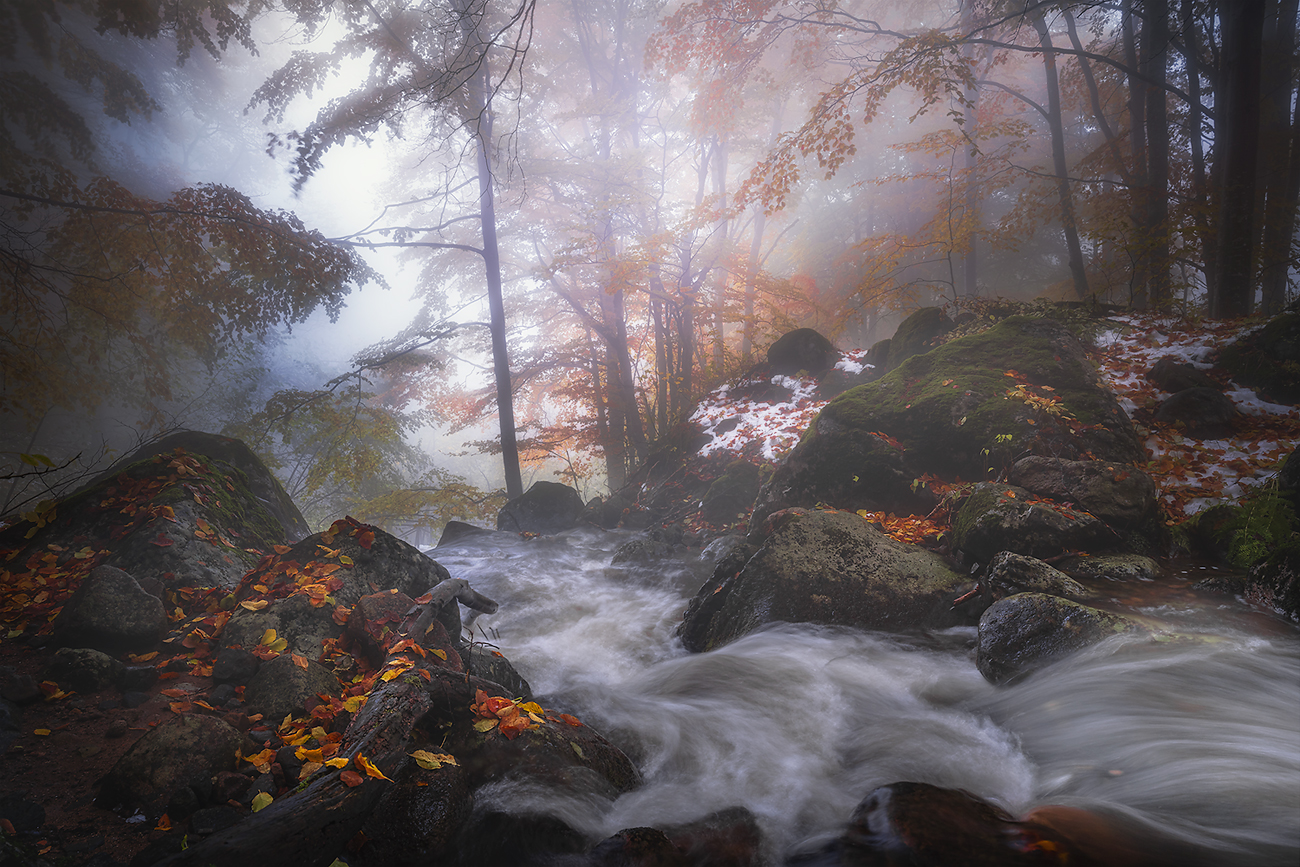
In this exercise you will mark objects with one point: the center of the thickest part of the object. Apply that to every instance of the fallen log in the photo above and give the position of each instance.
(312, 826)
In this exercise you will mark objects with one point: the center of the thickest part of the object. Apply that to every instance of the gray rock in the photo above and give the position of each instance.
(418, 817)
(824, 567)
(282, 688)
(1009, 574)
(916, 334)
(1022, 633)
(1121, 495)
(1172, 376)
(997, 518)
(1112, 567)
(182, 750)
(83, 669)
(481, 662)
(111, 612)
(803, 349)
(545, 508)
(303, 626)
(235, 665)
(731, 495)
(1204, 413)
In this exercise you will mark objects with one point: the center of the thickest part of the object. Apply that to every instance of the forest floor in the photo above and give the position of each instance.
(64, 745)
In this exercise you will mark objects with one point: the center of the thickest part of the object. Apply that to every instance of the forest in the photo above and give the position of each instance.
(600, 209)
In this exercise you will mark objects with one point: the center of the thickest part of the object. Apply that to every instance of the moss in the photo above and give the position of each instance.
(1242, 534)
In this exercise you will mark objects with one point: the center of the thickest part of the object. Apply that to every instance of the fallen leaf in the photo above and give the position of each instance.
(485, 725)
(369, 767)
(351, 779)
(261, 800)
(254, 605)
(432, 761)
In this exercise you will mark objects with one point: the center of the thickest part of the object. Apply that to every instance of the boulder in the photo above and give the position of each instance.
(1244, 533)
(1203, 413)
(998, 518)
(954, 411)
(1121, 495)
(304, 627)
(1009, 574)
(545, 508)
(803, 349)
(111, 612)
(491, 665)
(1274, 582)
(823, 567)
(417, 819)
(1268, 360)
(916, 334)
(184, 749)
(731, 496)
(1172, 376)
(455, 531)
(1111, 567)
(83, 670)
(1288, 478)
(288, 686)
(1024, 632)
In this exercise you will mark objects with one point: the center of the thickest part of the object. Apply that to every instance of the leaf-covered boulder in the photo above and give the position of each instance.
(1122, 496)
(288, 685)
(1024, 387)
(1024, 632)
(545, 508)
(824, 567)
(997, 518)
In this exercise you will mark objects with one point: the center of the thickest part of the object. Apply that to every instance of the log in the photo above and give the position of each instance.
(311, 827)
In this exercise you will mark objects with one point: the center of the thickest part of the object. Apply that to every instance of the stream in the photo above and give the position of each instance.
(1197, 740)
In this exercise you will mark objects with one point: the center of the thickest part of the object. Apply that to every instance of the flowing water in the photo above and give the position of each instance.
(1198, 740)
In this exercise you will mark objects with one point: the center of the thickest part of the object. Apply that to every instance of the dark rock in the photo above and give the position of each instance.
(727, 838)
(1274, 582)
(1268, 360)
(916, 334)
(1245, 533)
(21, 689)
(1288, 478)
(1172, 376)
(494, 837)
(137, 677)
(116, 729)
(803, 349)
(235, 665)
(375, 621)
(490, 665)
(998, 518)
(304, 627)
(110, 612)
(183, 803)
(1009, 574)
(418, 818)
(1112, 567)
(132, 699)
(455, 531)
(1204, 413)
(83, 670)
(182, 749)
(1022, 633)
(23, 813)
(210, 820)
(949, 412)
(170, 844)
(1121, 495)
(878, 355)
(282, 687)
(545, 508)
(262, 784)
(731, 495)
(230, 786)
(635, 847)
(641, 550)
(823, 567)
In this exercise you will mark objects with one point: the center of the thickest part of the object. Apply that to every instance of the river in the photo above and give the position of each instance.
(1197, 740)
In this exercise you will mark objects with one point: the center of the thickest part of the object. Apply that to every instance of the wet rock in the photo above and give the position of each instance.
(727, 838)
(641, 550)
(1009, 574)
(489, 664)
(1204, 413)
(83, 670)
(282, 687)
(1112, 567)
(916, 334)
(183, 749)
(235, 665)
(1172, 376)
(823, 567)
(136, 677)
(455, 531)
(1274, 583)
(1022, 633)
(803, 349)
(947, 412)
(545, 508)
(418, 819)
(111, 612)
(1121, 495)
(731, 495)
(508, 838)
(635, 847)
(998, 518)
(375, 621)
(1288, 478)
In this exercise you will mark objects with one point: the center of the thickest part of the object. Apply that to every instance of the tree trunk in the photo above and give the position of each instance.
(1282, 160)
(1238, 148)
(1205, 226)
(1068, 222)
(1137, 113)
(1155, 54)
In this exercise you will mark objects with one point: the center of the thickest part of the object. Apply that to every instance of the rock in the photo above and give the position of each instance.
(1112, 567)
(282, 687)
(635, 847)
(83, 670)
(1009, 574)
(954, 411)
(304, 626)
(545, 508)
(500, 837)
(1268, 360)
(455, 531)
(1121, 495)
(731, 496)
(418, 818)
(110, 612)
(1203, 413)
(1242, 534)
(641, 550)
(727, 838)
(916, 334)
(23, 813)
(1288, 478)
(375, 621)
(234, 665)
(181, 750)
(823, 567)
(998, 518)
(1274, 582)
(1172, 376)
(210, 820)
(21, 689)
(803, 349)
(1024, 632)
(479, 661)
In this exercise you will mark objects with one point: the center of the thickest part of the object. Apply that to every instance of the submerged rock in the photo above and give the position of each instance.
(823, 567)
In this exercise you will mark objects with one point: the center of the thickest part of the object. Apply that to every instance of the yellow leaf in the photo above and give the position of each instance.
(268, 637)
(337, 762)
(257, 605)
(42, 732)
(345, 559)
(261, 800)
(441, 654)
(484, 725)
(532, 707)
(369, 767)
(432, 761)
(354, 704)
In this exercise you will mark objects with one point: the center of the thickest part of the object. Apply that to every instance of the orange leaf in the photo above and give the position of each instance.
(300, 661)
(281, 549)
(351, 779)
(369, 767)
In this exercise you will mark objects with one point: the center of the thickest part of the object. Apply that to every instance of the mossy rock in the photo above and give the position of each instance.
(1274, 582)
(954, 411)
(1243, 534)
(731, 496)
(1268, 359)
(997, 518)
(916, 334)
(824, 567)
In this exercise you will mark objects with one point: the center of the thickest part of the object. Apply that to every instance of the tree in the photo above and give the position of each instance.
(435, 61)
